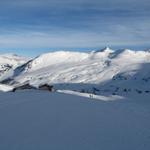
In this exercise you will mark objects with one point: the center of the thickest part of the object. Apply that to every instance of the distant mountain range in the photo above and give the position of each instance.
(103, 71)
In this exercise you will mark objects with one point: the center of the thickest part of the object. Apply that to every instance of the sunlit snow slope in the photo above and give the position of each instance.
(106, 70)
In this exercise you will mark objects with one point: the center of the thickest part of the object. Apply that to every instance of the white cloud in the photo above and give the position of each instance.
(116, 35)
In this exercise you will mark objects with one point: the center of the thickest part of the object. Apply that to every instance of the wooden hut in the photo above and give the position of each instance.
(46, 87)
(23, 87)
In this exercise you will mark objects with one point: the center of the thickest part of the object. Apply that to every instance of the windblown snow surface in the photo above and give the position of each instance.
(38, 120)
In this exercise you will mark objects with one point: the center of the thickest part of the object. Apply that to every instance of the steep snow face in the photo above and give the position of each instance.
(8, 62)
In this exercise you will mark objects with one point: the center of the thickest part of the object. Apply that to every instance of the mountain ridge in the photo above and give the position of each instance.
(106, 69)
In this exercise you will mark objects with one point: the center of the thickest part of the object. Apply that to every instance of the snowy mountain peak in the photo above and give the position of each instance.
(107, 49)
(128, 51)
(12, 58)
(104, 50)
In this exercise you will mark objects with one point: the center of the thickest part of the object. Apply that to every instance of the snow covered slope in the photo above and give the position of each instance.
(65, 67)
(103, 71)
(5, 88)
(37, 120)
(8, 62)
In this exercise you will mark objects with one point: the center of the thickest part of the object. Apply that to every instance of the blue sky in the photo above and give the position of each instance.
(30, 27)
